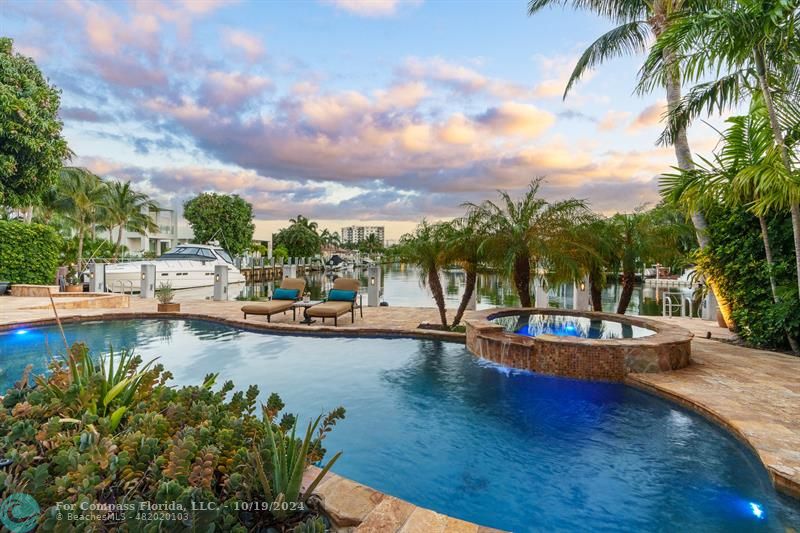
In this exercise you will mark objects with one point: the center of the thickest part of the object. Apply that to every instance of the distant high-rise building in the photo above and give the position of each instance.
(356, 234)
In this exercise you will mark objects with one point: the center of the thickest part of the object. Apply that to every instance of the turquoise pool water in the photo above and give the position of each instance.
(429, 423)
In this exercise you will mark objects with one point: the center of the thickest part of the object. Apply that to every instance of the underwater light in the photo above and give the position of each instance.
(757, 510)
(21, 331)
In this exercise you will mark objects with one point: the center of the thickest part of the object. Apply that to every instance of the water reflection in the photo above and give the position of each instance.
(401, 287)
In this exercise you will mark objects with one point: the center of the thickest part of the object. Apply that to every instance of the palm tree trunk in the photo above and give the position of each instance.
(119, 241)
(628, 280)
(80, 250)
(763, 81)
(594, 290)
(438, 295)
(768, 253)
(469, 289)
(683, 154)
(522, 279)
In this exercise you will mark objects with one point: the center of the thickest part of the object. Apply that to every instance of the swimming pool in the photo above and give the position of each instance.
(429, 423)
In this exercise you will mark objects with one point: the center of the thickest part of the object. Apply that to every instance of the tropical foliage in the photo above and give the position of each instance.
(32, 148)
(29, 253)
(301, 238)
(226, 218)
(114, 432)
(531, 235)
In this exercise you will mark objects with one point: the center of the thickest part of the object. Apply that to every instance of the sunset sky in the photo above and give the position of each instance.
(344, 110)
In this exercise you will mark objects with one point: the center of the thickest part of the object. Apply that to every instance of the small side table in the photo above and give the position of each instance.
(306, 305)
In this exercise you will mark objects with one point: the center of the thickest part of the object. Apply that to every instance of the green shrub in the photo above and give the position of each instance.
(736, 260)
(197, 451)
(29, 253)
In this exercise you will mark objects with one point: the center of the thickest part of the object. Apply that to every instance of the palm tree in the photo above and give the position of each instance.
(732, 178)
(643, 238)
(81, 200)
(464, 240)
(746, 46)
(638, 21)
(370, 244)
(598, 252)
(330, 239)
(427, 249)
(128, 209)
(302, 221)
(527, 234)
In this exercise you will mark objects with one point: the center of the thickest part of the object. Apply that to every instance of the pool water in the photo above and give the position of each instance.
(429, 423)
(534, 325)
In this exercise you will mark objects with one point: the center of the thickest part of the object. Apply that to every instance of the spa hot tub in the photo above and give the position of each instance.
(584, 345)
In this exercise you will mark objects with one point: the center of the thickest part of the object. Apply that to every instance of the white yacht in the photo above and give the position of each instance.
(185, 266)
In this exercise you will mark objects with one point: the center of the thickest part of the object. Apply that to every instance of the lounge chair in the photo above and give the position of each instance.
(280, 303)
(338, 303)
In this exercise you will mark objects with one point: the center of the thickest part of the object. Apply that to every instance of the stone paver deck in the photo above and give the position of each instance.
(754, 393)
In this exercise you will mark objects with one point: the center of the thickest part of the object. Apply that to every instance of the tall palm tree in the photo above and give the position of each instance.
(464, 239)
(81, 200)
(128, 209)
(638, 21)
(427, 249)
(733, 176)
(745, 46)
(527, 234)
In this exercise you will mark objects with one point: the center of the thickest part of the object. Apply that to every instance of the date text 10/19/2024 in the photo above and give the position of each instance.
(147, 511)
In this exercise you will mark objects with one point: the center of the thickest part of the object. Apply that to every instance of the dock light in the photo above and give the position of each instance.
(583, 286)
(143, 276)
(216, 277)
(757, 510)
(372, 280)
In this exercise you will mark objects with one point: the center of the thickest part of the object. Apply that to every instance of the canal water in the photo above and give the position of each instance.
(402, 287)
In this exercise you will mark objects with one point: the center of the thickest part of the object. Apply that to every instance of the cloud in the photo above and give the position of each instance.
(649, 116)
(250, 45)
(613, 120)
(517, 119)
(231, 89)
(371, 8)
(83, 114)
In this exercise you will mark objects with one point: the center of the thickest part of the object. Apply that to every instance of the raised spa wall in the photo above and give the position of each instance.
(595, 359)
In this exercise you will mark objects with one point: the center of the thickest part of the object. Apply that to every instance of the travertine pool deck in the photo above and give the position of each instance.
(754, 393)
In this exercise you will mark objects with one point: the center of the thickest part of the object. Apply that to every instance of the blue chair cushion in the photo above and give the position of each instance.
(285, 294)
(338, 295)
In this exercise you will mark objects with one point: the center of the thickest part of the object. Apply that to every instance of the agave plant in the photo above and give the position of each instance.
(280, 477)
(104, 388)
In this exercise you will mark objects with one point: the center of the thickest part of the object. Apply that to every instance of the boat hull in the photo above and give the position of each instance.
(179, 274)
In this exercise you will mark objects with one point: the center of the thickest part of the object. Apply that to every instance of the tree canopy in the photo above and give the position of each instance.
(224, 217)
(32, 149)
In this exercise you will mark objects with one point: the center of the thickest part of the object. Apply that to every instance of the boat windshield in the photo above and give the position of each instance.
(188, 252)
(224, 255)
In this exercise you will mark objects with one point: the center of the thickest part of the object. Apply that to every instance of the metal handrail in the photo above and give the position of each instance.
(122, 283)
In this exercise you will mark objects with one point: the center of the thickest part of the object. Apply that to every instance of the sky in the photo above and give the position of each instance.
(346, 111)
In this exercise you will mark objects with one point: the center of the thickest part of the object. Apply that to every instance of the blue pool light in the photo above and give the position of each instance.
(21, 331)
(757, 510)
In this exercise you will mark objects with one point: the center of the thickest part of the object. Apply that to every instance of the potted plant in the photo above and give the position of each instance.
(73, 280)
(165, 294)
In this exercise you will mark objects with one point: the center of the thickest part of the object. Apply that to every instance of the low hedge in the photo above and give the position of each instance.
(29, 253)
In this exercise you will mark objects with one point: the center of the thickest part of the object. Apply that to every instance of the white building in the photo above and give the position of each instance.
(172, 230)
(356, 234)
